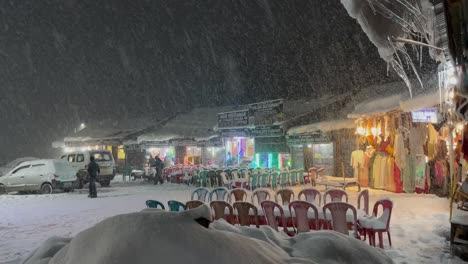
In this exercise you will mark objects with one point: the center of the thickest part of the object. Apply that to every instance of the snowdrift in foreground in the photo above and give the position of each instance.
(156, 236)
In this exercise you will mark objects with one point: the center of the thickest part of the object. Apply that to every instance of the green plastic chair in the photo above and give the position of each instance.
(203, 178)
(293, 177)
(284, 179)
(154, 204)
(174, 206)
(253, 181)
(274, 180)
(263, 180)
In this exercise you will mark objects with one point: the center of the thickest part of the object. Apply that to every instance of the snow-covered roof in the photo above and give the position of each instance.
(198, 124)
(394, 96)
(324, 126)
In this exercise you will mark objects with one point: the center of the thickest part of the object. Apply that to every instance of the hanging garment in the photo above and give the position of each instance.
(420, 173)
(399, 150)
(366, 168)
(390, 180)
(371, 170)
(357, 161)
(417, 139)
(397, 177)
(376, 171)
(409, 175)
(380, 176)
(439, 174)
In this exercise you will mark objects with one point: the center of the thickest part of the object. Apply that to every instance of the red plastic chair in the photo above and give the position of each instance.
(300, 216)
(273, 220)
(201, 194)
(339, 221)
(240, 195)
(244, 217)
(336, 195)
(262, 194)
(219, 209)
(379, 225)
(310, 195)
(287, 195)
(193, 204)
(364, 195)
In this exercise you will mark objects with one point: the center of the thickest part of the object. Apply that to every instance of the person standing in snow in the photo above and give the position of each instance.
(93, 171)
(159, 168)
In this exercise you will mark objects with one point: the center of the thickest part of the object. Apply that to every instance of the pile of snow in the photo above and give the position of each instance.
(170, 237)
(12, 164)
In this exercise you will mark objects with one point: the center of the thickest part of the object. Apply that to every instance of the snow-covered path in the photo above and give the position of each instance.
(419, 223)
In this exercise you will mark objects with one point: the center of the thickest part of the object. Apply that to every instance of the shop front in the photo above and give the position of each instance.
(404, 152)
(312, 150)
(240, 151)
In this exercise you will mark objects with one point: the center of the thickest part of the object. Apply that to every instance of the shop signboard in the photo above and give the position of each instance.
(229, 133)
(266, 113)
(310, 138)
(428, 115)
(267, 131)
(233, 119)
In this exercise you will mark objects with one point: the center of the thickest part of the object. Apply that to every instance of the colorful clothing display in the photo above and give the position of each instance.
(390, 176)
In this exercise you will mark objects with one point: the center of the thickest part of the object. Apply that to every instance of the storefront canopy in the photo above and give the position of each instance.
(322, 126)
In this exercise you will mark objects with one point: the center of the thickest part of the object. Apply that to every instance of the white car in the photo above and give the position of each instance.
(80, 159)
(39, 175)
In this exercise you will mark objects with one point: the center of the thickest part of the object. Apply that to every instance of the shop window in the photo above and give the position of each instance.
(121, 153)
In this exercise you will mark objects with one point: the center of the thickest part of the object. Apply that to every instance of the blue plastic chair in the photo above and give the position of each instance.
(154, 204)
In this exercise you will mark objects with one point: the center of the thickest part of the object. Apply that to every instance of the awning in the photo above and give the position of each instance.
(324, 126)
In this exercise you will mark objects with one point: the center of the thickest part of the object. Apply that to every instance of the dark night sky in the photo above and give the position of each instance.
(69, 61)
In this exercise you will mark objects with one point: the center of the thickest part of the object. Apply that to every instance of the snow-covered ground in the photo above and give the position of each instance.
(419, 224)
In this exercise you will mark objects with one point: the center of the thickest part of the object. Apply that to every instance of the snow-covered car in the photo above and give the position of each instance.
(80, 159)
(12, 164)
(39, 175)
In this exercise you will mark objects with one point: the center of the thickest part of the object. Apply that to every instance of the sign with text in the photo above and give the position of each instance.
(428, 115)
(233, 119)
(313, 138)
(269, 131)
(266, 113)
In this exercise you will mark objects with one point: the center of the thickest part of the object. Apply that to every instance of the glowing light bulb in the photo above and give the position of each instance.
(452, 94)
(453, 80)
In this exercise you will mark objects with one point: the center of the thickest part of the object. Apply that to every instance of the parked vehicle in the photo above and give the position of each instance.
(12, 164)
(39, 175)
(80, 159)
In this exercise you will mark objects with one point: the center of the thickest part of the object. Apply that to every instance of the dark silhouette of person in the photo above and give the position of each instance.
(93, 171)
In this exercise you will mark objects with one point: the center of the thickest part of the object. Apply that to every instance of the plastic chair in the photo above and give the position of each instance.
(272, 219)
(213, 178)
(339, 221)
(286, 195)
(240, 195)
(264, 180)
(294, 178)
(379, 225)
(219, 209)
(193, 204)
(284, 179)
(154, 204)
(336, 195)
(221, 194)
(262, 194)
(243, 213)
(300, 215)
(253, 181)
(365, 196)
(174, 206)
(274, 180)
(203, 178)
(201, 193)
(310, 196)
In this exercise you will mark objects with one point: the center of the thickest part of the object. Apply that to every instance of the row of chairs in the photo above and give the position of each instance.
(250, 179)
(334, 216)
